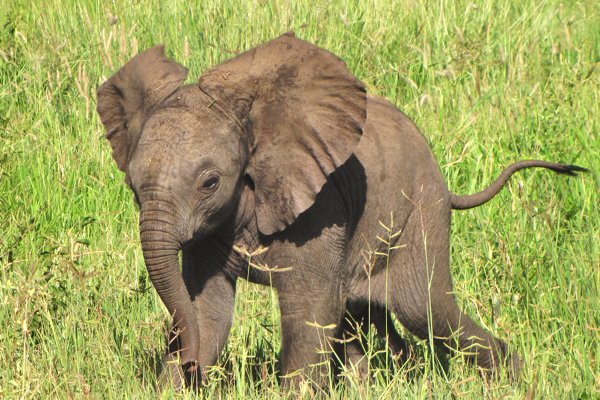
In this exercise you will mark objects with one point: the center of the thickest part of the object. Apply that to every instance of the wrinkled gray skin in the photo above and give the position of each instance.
(282, 147)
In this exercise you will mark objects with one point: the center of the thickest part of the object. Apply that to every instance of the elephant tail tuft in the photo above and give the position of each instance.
(477, 199)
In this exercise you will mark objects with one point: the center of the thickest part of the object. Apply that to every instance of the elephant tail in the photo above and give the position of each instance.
(477, 199)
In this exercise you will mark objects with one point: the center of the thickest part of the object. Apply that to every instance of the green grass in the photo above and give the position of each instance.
(488, 84)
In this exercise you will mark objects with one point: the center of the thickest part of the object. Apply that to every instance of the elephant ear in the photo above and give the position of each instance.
(130, 94)
(306, 112)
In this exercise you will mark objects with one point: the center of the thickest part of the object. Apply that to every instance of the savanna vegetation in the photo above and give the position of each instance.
(488, 82)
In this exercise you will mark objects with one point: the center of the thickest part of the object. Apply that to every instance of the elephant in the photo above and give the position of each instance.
(280, 153)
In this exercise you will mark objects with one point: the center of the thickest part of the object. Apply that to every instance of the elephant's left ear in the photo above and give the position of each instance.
(307, 114)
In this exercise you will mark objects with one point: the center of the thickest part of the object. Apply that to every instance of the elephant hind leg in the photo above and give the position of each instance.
(422, 295)
(382, 319)
(351, 351)
(438, 317)
(354, 349)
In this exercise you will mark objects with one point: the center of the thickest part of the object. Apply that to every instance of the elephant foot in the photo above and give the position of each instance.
(512, 364)
(174, 375)
(515, 366)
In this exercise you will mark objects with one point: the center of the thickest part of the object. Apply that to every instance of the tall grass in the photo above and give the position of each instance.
(488, 82)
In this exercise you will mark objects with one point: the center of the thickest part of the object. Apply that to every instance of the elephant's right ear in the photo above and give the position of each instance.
(132, 93)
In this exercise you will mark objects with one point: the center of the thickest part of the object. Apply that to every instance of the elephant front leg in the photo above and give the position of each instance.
(213, 298)
(310, 320)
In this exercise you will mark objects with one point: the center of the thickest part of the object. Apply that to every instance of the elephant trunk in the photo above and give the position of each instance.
(160, 244)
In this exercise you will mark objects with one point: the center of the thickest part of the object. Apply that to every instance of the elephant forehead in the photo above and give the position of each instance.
(175, 147)
(173, 127)
(187, 132)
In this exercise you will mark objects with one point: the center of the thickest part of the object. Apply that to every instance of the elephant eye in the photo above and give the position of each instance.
(211, 183)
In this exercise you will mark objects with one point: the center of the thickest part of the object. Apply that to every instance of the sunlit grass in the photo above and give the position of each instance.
(487, 82)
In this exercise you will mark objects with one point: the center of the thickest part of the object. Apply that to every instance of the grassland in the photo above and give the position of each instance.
(488, 83)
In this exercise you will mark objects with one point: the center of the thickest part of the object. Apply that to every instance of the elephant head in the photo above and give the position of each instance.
(272, 123)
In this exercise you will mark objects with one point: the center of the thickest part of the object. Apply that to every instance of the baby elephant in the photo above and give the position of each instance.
(281, 153)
